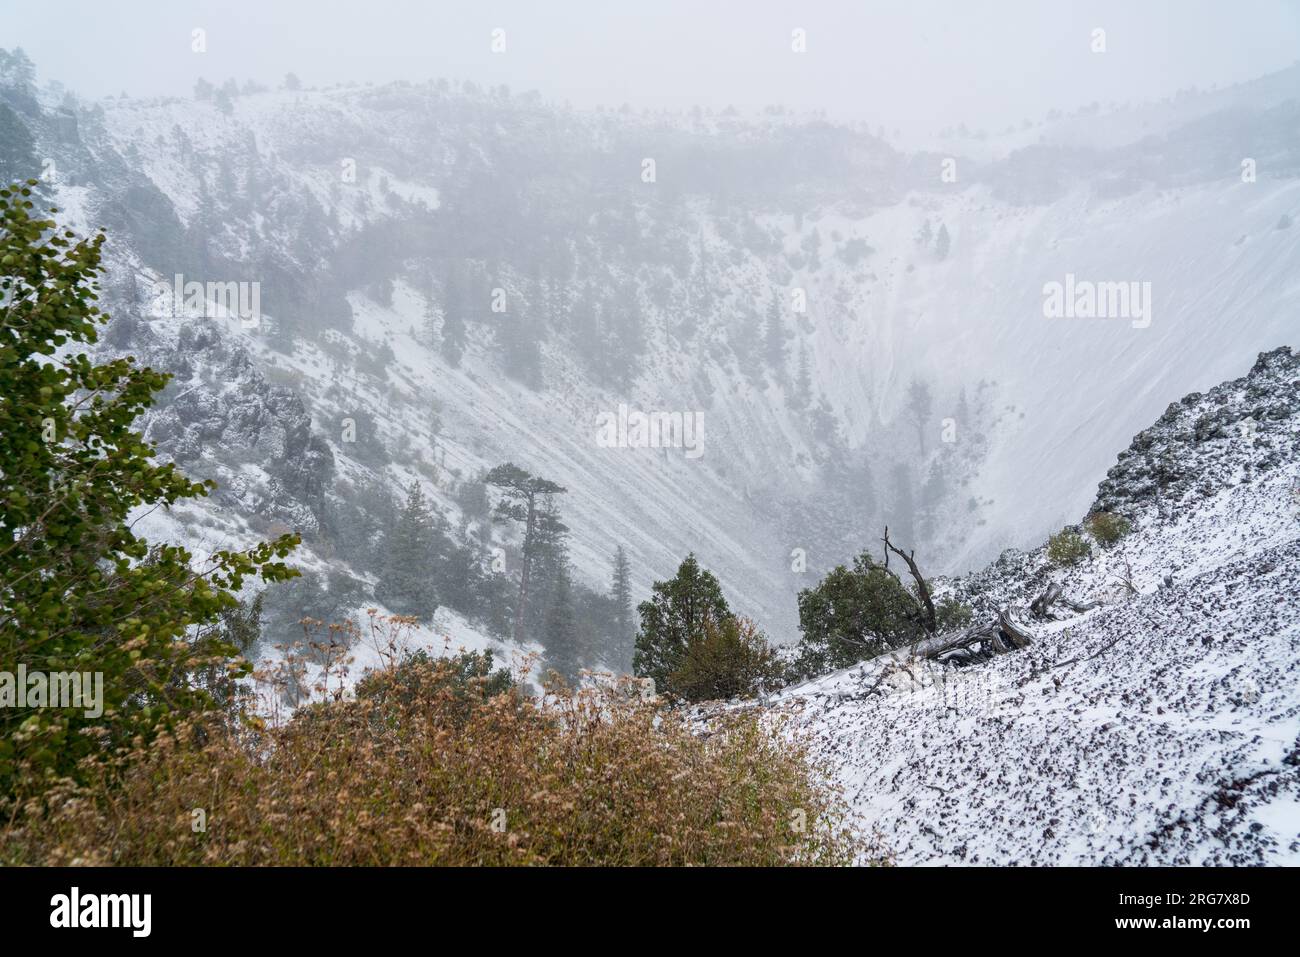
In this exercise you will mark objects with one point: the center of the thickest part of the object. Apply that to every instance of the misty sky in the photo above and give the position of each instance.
(917, 65)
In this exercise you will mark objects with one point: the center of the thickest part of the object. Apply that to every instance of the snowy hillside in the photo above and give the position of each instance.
(1160, 727)
(862, 337)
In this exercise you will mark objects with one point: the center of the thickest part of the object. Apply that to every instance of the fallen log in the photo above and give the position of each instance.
(1041, 606)
(1080, 606)
(1018, 637)
(981, 642)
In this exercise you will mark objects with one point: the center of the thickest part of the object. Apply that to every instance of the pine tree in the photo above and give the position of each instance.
(548, 560)
(674, 618)
(406, 584)
(17, 70)
(933, 493)
(621, 593)
(774, 339)
(942, 242)
(920, 405)
(525, 494)
(17, 148)
(560, 634)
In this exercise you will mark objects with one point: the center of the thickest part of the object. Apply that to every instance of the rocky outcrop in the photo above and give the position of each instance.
(1193, 449)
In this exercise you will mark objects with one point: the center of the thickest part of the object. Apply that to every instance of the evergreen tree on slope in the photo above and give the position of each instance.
(560, 634)
(406, 584)
(674, 618)
(621, 594)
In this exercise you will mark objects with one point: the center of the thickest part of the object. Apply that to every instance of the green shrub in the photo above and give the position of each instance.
(1108, 528)
(1067, 547)
(852, 614)
(732, 660)
(951, 615)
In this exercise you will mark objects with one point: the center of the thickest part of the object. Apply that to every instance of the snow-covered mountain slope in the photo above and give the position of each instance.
(1161, 727)
(350, 205)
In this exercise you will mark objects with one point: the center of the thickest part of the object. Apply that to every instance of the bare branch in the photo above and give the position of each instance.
(929, 620)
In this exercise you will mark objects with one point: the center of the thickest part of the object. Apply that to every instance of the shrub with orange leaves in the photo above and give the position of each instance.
(426, 774)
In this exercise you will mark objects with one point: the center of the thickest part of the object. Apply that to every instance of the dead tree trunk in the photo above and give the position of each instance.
(925, 603)
(977, 643)
(1040, 605)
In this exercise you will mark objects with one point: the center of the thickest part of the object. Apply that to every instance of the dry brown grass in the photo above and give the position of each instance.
(428, 775)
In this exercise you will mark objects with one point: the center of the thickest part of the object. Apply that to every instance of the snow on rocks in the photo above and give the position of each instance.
(1161, 727)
